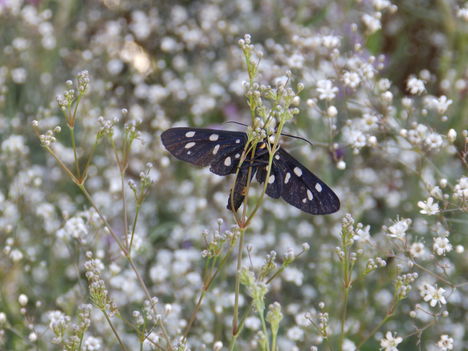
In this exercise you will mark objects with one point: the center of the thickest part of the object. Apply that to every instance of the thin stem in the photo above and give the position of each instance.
(75, 154)
(205, 288)
(61, 164)
(388, 315)
(435, 275)
(103, 218)
(137, 212)
(237, 292)
(129, 258)
(264, 328)
(124, 205)
(122, 345)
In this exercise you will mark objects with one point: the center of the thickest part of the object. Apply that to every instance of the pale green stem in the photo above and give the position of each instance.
(122, 345)
(237, 292)
(75, 154)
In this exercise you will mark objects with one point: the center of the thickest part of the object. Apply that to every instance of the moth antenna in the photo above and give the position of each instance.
(235, 122)
(298, 137)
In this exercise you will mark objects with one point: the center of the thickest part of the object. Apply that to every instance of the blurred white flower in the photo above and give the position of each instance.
(429, 207)
(390, 342)
(371, 22)
(440, 104)
(92, 344)
(418, 250)
(463, 13)
(442, 245)
(461, 189)
(326, 89)
(351, 79)
(398, 230)
(295, 333)
(445, 343)
(415, 86)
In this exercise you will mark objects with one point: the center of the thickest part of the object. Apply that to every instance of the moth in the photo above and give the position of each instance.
(222, 150)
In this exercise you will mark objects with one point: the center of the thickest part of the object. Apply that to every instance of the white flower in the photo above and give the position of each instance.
(380, 5)
(296, 61)
(417, 250)
(463, 13)
(351, 79)
(441, 245)
(295, 333)
(440, 104)
(362, 234)
(433, 141)
(372, 23)
(355, 138)
(433, 294)
(429, 207)
(415, 86)
(445, 343)
(330, 41)
(326, 89)
(348, 345)
(398, 230)
(461, 189)
(390, 342)
(92, 344)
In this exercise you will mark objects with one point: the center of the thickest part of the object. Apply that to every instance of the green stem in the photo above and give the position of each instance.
(75, 154)
(137, 211)
(388, 315)
(204, 290)
(237, 292)
(122, 345)
(264, 327)
(346, 286)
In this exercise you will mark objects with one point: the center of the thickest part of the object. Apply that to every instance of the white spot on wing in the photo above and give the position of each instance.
(227, 161)
(237, 156)
(277, 156)
(318, 187)
(214, 137)
(189, 145)
(190, 134)
(298, 171)
(215, 150)
(286, 179)
(304, 200)
(237, 141)
(309, 195)
(271, 180)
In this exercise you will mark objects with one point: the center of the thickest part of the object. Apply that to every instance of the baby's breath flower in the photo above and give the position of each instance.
(442, 245)
(390, 342)
(372, 22)
(23, 300)
(326, 89)
(417, 250)
(429, 207)
(433, 294)
(351, 79)
(445, 343)
(92, 344)
(415, 86)
(399, 228)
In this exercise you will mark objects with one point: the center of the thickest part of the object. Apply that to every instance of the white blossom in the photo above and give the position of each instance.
(415, 86)
(442, 245)
(326, 89)
(445, 343)
(390, 342)
(429, 207)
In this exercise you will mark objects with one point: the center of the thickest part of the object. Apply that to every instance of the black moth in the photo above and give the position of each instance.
(222, 151)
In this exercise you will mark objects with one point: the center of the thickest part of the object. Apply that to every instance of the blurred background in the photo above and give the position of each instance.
(178, 63)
